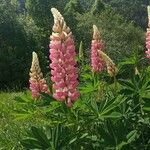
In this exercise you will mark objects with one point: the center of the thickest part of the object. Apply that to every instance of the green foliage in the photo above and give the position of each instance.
(73, 6)
(120, 37)
(131, 10)
(111, 113)
(97, 7)
(19, 37)
(11, 59)
(10, 131)
(40, 12)
(107, 115)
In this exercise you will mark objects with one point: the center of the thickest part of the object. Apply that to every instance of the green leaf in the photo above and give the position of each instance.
(118, 101)
(94, 106)
(53, 106)
(84, 135)
(73, 140)
(22, 116)
(119, 146)
(87, 89)
(113, 115)
(127, 91)
(131, 136)
(40, 136)
(3, 148)
(19, 99)
(128, 61)
(87, 76)
(146, 108)
(30, 143)
(126, 83)
(24, 99)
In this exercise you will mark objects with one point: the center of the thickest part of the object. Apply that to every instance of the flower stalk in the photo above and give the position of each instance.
(97, 62)
(37, 82)
(148, 35)
(63, 61)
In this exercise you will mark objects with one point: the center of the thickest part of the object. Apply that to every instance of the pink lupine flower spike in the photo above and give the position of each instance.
(37, 82)
(63, 63)
(148, 35)
(97, 62)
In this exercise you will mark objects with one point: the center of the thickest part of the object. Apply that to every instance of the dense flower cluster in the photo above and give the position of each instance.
(63, 63)
(97, 62)
(37, 82)
(148, 35)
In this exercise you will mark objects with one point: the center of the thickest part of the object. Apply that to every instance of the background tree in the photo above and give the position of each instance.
(19, 36)
(97, 7)
(121, 37)
(135, 10)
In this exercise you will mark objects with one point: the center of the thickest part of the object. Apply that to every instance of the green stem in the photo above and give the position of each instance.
(115, 86)
(94, 78)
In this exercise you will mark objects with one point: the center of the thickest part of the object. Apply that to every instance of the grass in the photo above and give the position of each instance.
(13, 128)
(10, 130)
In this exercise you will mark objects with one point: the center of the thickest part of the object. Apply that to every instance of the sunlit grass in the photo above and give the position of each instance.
(10, 131)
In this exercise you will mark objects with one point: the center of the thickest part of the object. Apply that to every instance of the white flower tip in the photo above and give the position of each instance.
(94, 27)
(54, 10)
(34, 55)
(56, 13)
(96, 34)
(148, 9)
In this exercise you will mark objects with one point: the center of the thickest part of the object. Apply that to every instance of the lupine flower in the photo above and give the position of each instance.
(63, 63)
(148, 35)
(37, 82)
(111, 68)
(97, 62)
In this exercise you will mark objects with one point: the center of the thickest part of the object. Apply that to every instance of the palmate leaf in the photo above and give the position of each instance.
(94, 106)
(115, 103)
(37, 139)
(138, 85)
(52, 138)
(40, 136)
(87, 89)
